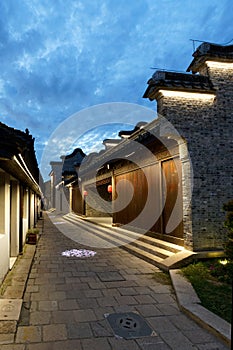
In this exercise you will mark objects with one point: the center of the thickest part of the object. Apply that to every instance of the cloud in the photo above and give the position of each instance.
(59, 57)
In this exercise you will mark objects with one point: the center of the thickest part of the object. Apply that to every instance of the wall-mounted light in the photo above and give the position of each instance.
(188, 95)
(221, 65)
(85, 193)
(109, 188)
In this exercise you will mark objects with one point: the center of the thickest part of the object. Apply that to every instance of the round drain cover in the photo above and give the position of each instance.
(129, 325)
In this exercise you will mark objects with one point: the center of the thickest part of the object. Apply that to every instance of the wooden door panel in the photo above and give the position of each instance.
(172, 198)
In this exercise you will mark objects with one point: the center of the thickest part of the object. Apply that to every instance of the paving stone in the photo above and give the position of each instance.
(96, 285)
(148, 310)
(107, 301)
(72, 314)
(14, 292)
(123, 344)
(40, 296)
(211, 346)
(142, 290)
(144, 299)
(58, 295)
(101, 328)
(41, 280)
(74, 293)
(113, 292)
(96, 344)
(87, 303)
(33, 306)
(96, 293)
(31, 282)
(7, 338)
(127, 291)
(167, 309)
(28, 334)
(72, 279)
(131, 272)
(61, 287)
(79, 273)
(40, 317)
(34, 288)
(79, 330)
(177, 341)
(85, 315)
(13, 347)
(161, 323)
(63, 316)
(180, 321)
(110, 276)
(7, 327)
(120, 284)
(101, 311)
(161, 289)
(164, 298)
(70, 304)
(54, 332)
(51, 288)
(152, 343)
(199, 336)
(67, 345)
(48, 305)
(126, 300)
(40, 346)
(125, 308)
(79, 286)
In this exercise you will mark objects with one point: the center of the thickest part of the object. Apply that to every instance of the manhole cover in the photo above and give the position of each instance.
(110, 276)
(10, 309)
(129, 325)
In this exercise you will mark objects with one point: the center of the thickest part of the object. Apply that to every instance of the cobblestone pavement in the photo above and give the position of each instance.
(66, 300)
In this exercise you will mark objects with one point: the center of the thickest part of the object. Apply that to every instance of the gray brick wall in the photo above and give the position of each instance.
(208, 128)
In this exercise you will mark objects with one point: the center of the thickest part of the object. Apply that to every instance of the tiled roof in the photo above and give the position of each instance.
(111, 142)
(127, 133)
(207, 51)
(14, 142)
(71, 161)
(176, 81)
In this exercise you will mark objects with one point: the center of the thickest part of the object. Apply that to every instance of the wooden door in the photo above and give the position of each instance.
(172, 198)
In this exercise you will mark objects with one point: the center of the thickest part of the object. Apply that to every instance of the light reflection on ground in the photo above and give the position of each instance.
(79, 253)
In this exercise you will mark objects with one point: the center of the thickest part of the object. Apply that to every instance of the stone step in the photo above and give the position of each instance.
(136, 236)
(123, 242)
(162, 254)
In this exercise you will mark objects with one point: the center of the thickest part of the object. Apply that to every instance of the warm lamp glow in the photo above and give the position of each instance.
(85, 193)
(222, 65)
(189, 95)
(109, 188)
(223, 262)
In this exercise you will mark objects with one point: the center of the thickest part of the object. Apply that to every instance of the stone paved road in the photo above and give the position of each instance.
(66, 300)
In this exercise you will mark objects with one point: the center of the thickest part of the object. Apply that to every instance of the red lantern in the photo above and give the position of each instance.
(85, 193)
(109, 188)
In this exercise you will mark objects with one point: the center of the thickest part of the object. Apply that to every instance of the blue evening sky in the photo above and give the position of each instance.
(59, 57)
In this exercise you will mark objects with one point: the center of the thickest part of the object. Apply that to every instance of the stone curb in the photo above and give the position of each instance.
(189, 303)
(15, 291)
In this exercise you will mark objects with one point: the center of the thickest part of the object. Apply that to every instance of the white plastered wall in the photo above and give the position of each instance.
(4, 224)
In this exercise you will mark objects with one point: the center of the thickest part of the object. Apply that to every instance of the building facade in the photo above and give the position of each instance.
(62, 174)
(172, 176)
(199, 106)
(20, 196)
